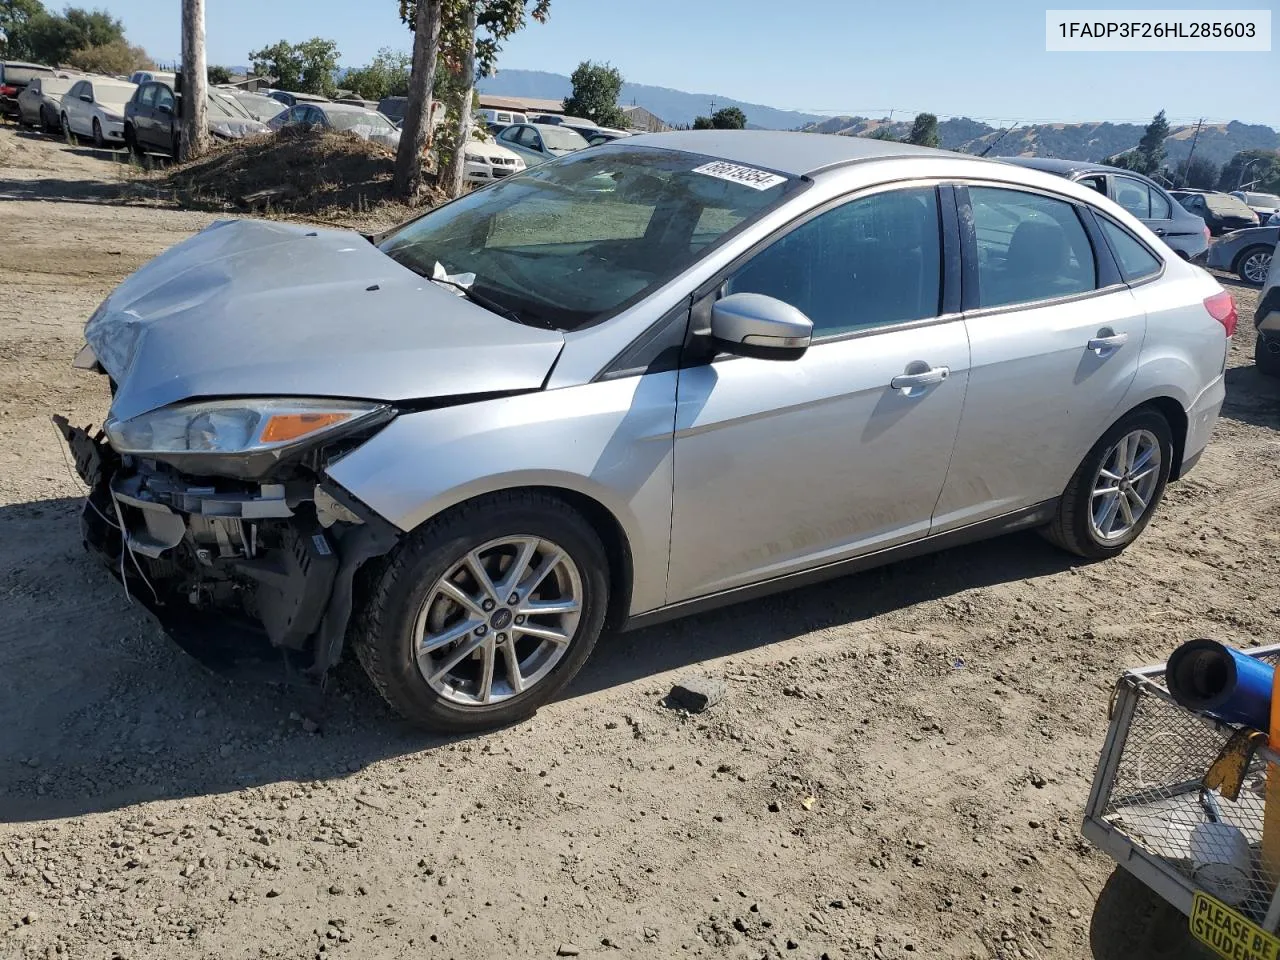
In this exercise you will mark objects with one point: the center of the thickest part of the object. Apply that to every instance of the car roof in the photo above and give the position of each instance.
(796, 154)
(1065, 168)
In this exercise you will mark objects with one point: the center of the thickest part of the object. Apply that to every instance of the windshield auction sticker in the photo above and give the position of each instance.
(1155, 31)
(747, 176)
(1229, 934)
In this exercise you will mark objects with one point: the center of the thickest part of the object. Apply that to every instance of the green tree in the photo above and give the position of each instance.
(306, 67)
(15, 15)
(116, 57)
(729, 118)
(1200, 173)
(596, 88)
(219, 74)
(1149, 156)
(386, 76)
(703, 123)
(1248, 166)
(924, 131)
(882, 133)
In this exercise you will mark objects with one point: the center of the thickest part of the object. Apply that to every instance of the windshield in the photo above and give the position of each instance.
(561, 138)
(226, 107)
(364, 122)
(113, 94)
(260, 108)
(1224, 203)
(571, 242)
(1262, 199)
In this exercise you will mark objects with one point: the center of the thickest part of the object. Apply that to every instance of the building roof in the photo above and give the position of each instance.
(521, 104)
(797, 154)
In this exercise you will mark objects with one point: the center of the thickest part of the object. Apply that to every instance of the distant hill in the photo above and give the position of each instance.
(674, 106)
(1070, 141)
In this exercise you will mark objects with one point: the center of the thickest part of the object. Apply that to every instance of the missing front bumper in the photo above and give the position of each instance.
(256, 583)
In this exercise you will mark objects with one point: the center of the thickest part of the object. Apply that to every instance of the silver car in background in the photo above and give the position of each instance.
(1246, 253)
(652, 377)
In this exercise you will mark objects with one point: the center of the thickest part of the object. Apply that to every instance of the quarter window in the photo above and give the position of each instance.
(1030, 247)
(1136, 261)
(869, 263)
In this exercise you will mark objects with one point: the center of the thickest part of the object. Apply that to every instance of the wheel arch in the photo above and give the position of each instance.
(1176, 417)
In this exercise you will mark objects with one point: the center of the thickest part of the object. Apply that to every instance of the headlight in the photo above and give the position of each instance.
(243, 428)
(473, 158)
(113, 117)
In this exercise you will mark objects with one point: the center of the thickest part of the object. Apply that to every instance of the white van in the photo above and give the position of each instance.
(501, 118)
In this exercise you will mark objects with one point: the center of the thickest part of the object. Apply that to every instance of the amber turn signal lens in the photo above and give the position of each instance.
(283, 427)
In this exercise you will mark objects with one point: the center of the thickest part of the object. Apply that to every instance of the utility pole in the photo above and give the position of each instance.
(195, 83)
(1186, 170)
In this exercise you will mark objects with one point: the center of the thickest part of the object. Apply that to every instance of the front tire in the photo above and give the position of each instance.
(1253, 264)
(99, 140)
(1116, 488)
(485, 613)
(66, 129)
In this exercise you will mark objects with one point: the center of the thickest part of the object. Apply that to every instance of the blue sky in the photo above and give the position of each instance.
(826, 56)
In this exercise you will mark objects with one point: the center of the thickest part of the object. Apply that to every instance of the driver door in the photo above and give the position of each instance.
(781, 467)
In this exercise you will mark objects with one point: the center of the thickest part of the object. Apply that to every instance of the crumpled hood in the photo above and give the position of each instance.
(254, 308)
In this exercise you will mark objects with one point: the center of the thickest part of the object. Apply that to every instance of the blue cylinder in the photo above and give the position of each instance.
(1210, 677)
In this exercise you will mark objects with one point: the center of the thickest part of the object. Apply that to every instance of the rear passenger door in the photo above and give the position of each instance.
(1148, 205)
(1055, 336)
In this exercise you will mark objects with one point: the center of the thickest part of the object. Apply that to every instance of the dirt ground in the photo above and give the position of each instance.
(899, 768)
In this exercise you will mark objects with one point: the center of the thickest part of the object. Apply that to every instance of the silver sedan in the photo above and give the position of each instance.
(1246, 253)
(643, 380)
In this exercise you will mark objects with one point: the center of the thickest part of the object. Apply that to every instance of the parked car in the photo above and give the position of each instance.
(523, 423)
(14, 77)
(293, 99)
(598, 135)
(357, 102)
(260, 108)
(496, 120)
(1181, 230)
(140, 77)
(366, 124)
(487, 161)
(559, 119)
(1265, 205)
(1221, 212)
(1266, 351)
(153, 119)
(393, 108)
(539, 142)
(94, 107)
(40, 102)
(1246, 253)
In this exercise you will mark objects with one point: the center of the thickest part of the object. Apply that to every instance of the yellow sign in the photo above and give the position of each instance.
(1229, 934)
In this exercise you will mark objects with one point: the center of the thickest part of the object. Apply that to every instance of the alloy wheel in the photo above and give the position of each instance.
(1124, 486)
(498, 621)
(1255, 267)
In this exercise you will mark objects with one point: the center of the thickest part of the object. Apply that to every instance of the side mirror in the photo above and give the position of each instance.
(165, 108)
(87, 98)
(754, 325)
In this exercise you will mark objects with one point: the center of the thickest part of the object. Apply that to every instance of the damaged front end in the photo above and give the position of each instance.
(247, 557)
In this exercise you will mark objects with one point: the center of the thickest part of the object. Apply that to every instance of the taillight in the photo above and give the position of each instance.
(8, 91)
(1223, 309)
(1207, 235)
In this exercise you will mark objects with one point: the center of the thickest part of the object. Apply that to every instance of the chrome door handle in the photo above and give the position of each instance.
(909, 381)
(1108, 344)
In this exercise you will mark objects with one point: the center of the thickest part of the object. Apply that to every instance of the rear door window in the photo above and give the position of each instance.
(1161, 207)
(1029, 246)
(1140, 200)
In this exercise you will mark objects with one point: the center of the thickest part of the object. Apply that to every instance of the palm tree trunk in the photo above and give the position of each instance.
(455, 174)
(417, 123)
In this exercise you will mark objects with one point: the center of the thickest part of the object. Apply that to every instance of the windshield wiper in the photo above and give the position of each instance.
(480, 299)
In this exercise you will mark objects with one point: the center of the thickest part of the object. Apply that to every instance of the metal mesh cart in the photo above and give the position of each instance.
(1149, 811)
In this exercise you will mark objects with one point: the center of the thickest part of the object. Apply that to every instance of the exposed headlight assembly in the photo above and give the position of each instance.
(242, 438)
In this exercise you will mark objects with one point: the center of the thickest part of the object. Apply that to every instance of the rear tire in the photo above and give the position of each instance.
(406, 604)
(1087, 524)
(46, 123)
(1267, 362)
